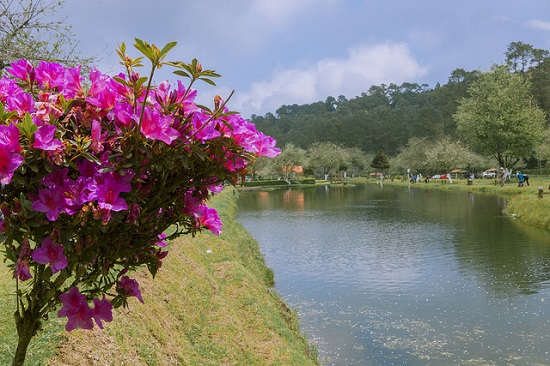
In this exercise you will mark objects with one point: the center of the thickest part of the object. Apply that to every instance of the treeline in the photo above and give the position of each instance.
(386, 117)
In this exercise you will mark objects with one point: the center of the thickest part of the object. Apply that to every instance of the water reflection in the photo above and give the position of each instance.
(394, 276)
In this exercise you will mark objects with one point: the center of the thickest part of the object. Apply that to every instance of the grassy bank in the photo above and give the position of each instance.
(210, 304)
(523, 202)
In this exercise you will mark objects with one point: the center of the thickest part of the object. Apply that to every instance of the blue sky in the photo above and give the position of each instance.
(275, 52)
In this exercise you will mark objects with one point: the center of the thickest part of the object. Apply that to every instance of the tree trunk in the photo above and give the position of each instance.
(27, 326)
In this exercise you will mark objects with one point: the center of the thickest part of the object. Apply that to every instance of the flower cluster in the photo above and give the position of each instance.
(95, 179)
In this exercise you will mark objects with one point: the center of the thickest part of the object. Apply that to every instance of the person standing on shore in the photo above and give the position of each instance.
(502, 176)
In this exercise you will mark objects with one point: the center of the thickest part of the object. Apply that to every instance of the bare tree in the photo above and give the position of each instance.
(32, 29)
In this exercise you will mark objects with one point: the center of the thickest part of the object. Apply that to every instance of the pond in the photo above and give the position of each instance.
(406, 276)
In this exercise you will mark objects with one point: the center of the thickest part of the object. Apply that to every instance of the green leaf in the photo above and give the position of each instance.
(208, 81)
(205, 108)
(143, 47)
(152, 269)
(177, 64)
(167, 48)
(116, 302)
(141, 81)
(25, 202)
(122, 48)
(121, 81)
(10, 254)
(182, 73)
(211, 73)
(27, 126)
(91, 158)
(3, 115)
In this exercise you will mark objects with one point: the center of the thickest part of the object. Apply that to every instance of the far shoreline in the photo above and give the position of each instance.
(523, 203)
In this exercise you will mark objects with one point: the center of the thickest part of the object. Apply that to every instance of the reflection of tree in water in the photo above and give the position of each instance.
(506, 257)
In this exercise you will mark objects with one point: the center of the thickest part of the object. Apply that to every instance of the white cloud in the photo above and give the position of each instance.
(538, 24)
(363, 67)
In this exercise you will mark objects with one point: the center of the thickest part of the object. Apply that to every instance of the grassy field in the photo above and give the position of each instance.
(523, 202)
(210, 304)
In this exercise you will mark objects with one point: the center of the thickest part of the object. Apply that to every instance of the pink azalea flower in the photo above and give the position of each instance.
(56, 178)
(9, 136)
(165, 96)
(266, 146)
(128, 287)
(72, 86)
(22, 271)
(234, 164)
(245, 134)
(50, 75)
(82, 191)
(192, 203)
(51, 201)
(87, 168)
(156, 126)
(14, 98)
(44, 138)
(100, 94)
(8, 88)
(161, 242)
(122, 90)
(123, 115)
(203, 128)
(22, 69)
(51, 254)
(208, 218)
(97, 138)
(215, 188)
(9, 162)
(76, 309)
(47, 106)
(108, 195)
(188, 103)
(21, 103)
(103, 310)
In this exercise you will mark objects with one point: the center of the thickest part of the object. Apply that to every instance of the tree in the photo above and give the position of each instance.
(97, 179)
(447, 154)
(522, 56)
(380, 161)
(28, 31)
(414, 155)
(357, 160)
(500, 118)
(290, 158)
(325, 155)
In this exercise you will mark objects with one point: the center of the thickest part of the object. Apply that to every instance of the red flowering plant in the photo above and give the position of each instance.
(93, 177)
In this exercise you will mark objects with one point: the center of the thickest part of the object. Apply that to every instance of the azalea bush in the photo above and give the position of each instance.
(98, 174)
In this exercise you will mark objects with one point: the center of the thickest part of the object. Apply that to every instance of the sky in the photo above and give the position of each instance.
(284, 52)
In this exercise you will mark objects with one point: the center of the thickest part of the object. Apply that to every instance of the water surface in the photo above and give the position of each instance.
(404, 276)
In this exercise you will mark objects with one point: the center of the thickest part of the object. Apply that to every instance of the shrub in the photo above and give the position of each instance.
(93, 178)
